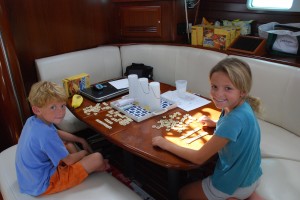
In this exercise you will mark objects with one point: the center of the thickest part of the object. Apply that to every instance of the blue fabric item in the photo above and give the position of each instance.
(39, 152)
(239, 161)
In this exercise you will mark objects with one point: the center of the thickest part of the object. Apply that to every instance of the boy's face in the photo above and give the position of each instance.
(52, 112)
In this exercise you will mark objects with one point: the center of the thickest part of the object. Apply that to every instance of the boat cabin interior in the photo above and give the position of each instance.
(35, 29)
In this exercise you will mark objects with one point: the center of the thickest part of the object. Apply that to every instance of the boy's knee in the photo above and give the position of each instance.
(97, 156)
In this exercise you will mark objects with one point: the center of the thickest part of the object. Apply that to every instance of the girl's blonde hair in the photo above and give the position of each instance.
(43, 92)
(240, 75)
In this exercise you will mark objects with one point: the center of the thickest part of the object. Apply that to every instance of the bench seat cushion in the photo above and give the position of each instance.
(280, 179)
(96, 186)
(276, 142)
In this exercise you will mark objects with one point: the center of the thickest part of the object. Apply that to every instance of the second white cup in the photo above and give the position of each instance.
(181, 87)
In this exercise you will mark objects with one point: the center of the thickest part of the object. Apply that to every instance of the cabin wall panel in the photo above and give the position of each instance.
(46, 28)
(14, 107)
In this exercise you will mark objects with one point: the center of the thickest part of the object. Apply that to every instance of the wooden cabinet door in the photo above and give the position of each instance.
(140, 21)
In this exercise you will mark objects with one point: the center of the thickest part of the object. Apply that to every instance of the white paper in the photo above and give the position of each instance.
(188, 103)
(120, 84)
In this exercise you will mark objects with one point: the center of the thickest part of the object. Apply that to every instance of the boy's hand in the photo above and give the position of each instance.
(86, 146)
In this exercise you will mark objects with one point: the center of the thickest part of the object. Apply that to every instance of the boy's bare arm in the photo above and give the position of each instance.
(74, 157)
(68, 137)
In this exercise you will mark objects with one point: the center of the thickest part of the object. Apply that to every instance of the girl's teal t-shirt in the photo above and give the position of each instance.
(239, 161)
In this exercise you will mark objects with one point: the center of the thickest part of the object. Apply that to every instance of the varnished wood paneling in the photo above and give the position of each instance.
(14, 107)
(167, 22)
(46, 28)
(140, 21)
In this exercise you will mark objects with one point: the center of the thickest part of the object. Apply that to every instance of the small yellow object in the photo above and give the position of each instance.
(77, 100)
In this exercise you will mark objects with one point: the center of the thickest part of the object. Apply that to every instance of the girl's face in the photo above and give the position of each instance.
(53, 112)
(223, 93)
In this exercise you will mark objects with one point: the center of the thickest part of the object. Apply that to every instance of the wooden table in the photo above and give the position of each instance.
(136, 137)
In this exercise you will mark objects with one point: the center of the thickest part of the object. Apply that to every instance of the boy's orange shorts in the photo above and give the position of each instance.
(65, 177)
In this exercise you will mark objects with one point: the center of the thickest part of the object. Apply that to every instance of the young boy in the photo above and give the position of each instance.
(47, 160)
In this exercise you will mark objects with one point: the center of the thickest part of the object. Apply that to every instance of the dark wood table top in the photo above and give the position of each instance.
(136, 137)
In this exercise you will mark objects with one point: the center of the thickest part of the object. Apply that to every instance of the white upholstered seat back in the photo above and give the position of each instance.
(171, 63)
(101, 63)
(277, 86)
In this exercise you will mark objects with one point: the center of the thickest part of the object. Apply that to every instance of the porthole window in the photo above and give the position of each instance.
(274, 5)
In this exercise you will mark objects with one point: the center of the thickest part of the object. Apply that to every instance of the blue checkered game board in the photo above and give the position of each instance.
(138, 113)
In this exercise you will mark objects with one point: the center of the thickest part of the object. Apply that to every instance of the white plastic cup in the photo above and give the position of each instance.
(143, 91)
(181, 87)
(133, 86)
(154, 96)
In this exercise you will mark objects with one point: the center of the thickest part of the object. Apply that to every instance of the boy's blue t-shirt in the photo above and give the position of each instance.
(239, 161)
(39, 152)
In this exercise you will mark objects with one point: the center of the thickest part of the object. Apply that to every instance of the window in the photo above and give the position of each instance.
(276, 5)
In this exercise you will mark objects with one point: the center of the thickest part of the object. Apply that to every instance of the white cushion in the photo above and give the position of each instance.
(160, 57)
(71, 124)
(277, 142)
(171, 63)
(101, 63)
(278, 87)
(280, 180)
(96, 186)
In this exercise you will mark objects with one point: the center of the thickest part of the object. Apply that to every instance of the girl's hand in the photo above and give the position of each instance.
(159, 141)
(206, 121)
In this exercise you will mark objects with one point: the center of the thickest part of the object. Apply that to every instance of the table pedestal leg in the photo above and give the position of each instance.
(173, 184)
(129, 164)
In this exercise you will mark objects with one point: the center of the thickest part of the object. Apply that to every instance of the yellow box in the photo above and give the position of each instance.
(208, 36)
(194, 36)
(222, 38)
(218, 37)
(197, 35)
(73, 84)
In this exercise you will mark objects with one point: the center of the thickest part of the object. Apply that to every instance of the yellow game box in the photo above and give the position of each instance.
(197, 35)
(73, 84)
(219, 37)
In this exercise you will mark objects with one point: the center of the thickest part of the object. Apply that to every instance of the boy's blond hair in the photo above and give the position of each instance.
(43, 92)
